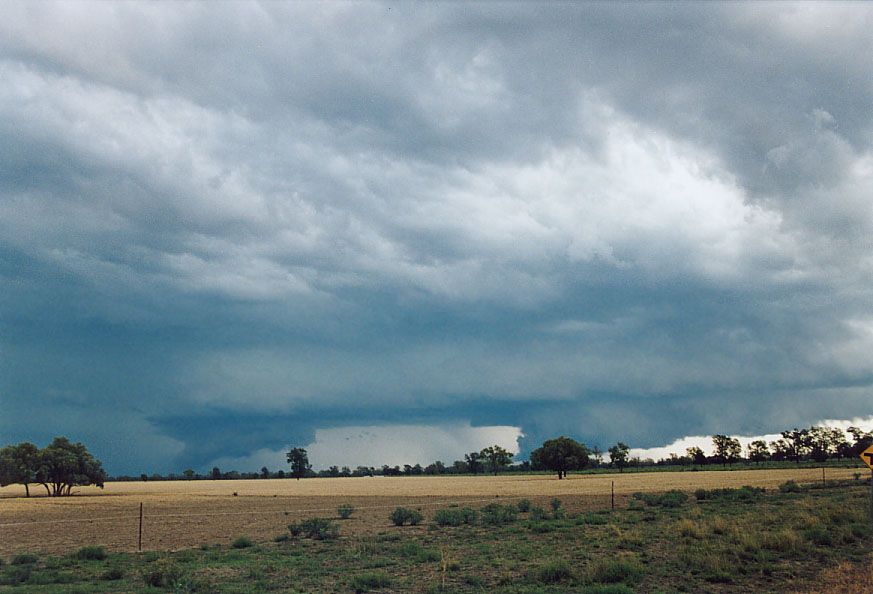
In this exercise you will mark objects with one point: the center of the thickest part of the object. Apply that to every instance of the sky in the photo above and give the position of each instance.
(404, 231)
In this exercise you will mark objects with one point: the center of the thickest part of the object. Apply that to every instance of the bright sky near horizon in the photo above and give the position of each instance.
(411, 230)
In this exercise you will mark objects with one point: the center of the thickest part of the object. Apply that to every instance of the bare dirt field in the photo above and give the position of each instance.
(184, 514)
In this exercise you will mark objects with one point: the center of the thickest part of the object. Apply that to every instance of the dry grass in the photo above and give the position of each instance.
(184, 514)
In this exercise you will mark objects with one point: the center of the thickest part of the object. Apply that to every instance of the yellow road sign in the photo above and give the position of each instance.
(867, 457)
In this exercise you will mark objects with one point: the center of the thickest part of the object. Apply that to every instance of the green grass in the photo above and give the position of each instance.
(769, 542)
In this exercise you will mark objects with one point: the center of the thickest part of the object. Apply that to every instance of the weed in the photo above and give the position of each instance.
(316, 529)
(24, 559)
(523, 506)
(496, 514)
(455, 516)
(345, 511)
(91, 553)
(553, 572)
(281, 538)
(614, 571)
(790, 487)
(112, 574)
(555, 503)
(368, 581)
(243, 542)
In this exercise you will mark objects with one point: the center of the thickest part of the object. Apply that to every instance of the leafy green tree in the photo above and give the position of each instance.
(696, 454)
(727, 449)
(216, 473)
(496, 457)
(758, 451)
(64, 464)
(189, 473)
(265, 472)
(299, 461)
(618, 455)
(798, 442)
(560, 455)
(19, 464)
(474, 462)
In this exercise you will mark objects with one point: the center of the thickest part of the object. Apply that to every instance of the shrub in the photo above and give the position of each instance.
(607, 589)
(281, 538)
(541, 527)
(744, 494)
(316, 529)
(163, 576)
(523, 506)
(537, 514)
(614, 571)
(402, 515)
(243, 542)
(455, 516)
(790, 487)
(16, 575)
(555, 503)
(368, 581)
(421, 554)
(112, 574)
(24, 559)
(674, 498)
(553, 572)
(91, 553)
(592, 519)
(495, 514)
(345, 511)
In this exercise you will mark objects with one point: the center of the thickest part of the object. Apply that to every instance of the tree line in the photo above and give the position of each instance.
(62, 465)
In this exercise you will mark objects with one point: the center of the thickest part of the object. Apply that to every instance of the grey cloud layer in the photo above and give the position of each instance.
(553, 211)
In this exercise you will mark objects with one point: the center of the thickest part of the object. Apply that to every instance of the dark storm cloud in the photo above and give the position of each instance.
(224, 228)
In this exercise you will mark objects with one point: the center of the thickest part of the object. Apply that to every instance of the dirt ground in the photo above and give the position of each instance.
(184, 514)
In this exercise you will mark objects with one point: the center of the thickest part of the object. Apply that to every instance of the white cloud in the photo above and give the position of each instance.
(395, 445)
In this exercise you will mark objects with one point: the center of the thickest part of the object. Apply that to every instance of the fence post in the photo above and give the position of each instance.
(613, 495)
(139, 539)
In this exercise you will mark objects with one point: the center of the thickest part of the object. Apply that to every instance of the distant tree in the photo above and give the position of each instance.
(862, 440)
(496, 457)
(265, 472)
(758, 451)
(798, 442)
(64, 465)
(560, 455)
(189, 473)
(474, 462)
(618, 455)
(19, 464)
(216, 473)
(597, 454)
(435, 468)
(696, 454)
(299, 461)
(727, 449)
(780, 450)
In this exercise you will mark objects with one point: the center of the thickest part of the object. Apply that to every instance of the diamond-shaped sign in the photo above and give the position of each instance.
(867, 457)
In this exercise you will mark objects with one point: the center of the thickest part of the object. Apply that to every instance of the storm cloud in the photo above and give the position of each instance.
(225, 228)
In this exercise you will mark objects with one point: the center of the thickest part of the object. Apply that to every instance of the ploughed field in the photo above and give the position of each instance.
(186, 514)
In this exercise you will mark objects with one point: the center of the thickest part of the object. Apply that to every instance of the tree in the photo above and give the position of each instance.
(64, 465)
(189, 473)
(497, 457)
(597, 454)
(265, 472)
(618, 455)
(299, 461)
(19, 464)
(798, 442)
(560, 455)
(727, 449)
(216, 473)
(474, 462)
(696, 454)
(758, 451)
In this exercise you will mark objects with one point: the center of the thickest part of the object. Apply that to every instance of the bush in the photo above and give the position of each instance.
(495, 514)
(16, 575)
(281, 538)
(541, 527)
(537, 514)
(368, 581)
(592, 519)
(455, 516)
(402, 515)
(790, 487)
(614, 571)
(674, 498)
(745, 494)
(555, 503)
(243, 542)
(163, 576)
(112, 574)
(345, 511)
(523, 506)
(24, 559)
(91, 553)
(315, 528)
(607, 589)
(553, 572)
